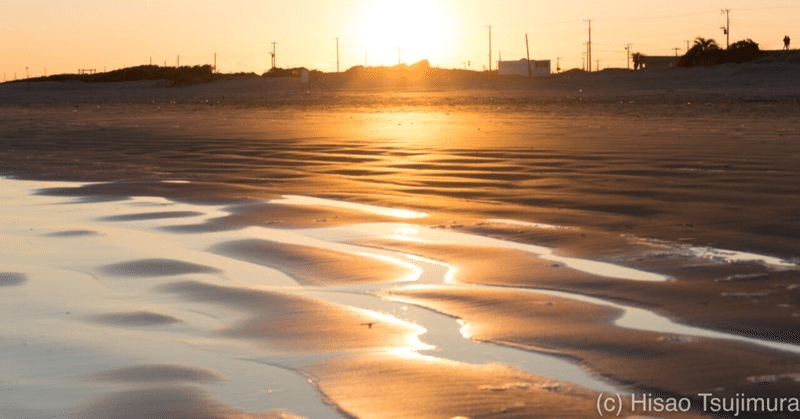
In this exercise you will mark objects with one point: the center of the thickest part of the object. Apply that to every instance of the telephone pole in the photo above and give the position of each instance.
(589, 46)
(490, 48)
(727, 28)
(628, 50)
(215, 63)
(337, 55)
(273, 54)
(528, 53)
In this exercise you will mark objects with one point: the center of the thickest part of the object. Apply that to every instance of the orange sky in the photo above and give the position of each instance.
(62, 36)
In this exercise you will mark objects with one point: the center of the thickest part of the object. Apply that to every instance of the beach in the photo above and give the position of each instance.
(499, 247)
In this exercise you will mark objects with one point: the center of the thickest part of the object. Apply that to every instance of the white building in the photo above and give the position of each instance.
(520, 68)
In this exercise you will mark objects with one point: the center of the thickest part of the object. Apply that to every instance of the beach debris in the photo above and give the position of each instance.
(510, 386)
(769, 379)
(761, 294)
(12, 278)
(551, 386)
(743, 277)
(369, 324)
(676, 339)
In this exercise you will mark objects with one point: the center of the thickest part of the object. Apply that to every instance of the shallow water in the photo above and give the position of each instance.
(80, 295)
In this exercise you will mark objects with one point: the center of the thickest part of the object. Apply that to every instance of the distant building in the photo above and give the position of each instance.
(520, 68)
(659, 61)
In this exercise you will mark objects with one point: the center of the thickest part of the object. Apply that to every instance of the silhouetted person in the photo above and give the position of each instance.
(786, 41)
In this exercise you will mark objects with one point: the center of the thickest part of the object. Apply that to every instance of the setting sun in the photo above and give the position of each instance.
(405, 31)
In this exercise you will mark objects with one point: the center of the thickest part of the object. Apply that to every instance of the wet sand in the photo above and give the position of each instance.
(642, 228)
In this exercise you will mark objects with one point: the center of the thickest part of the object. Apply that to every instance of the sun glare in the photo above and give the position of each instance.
(405, 31)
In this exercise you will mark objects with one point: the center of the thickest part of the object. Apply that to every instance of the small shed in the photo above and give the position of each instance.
(538, 68)
(659, 61)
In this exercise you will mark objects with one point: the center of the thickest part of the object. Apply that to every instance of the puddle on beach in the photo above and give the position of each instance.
(88, 287)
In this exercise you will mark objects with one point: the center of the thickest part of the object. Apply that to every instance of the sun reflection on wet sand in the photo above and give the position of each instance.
(311, 201)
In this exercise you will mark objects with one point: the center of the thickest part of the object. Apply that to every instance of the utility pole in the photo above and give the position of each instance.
(528, 53)
(628, 50)
(273, 54)
(490, 48)
(179, 61)
(558, 64)
(687, 47)
(589, 46)
(215, 63)
(337, 55)
(727, 28)
(676, 56)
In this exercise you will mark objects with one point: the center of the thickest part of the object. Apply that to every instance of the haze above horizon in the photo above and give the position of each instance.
(44, 37)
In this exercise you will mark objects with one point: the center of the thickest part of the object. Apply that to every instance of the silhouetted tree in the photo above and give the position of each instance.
(742, 51)
(703, 52)
(705, 45)
(707, 52)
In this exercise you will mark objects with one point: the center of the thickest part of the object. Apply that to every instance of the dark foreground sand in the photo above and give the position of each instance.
(653, 171)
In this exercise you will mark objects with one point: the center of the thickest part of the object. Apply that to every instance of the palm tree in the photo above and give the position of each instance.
(702, 45)
(703, 52)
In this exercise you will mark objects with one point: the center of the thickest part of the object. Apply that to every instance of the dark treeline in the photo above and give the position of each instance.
(177, 75)
(707, 52)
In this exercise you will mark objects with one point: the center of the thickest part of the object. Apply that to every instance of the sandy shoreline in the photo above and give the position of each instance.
(690, 189)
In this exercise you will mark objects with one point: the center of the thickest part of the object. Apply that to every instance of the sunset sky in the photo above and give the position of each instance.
(62, 36)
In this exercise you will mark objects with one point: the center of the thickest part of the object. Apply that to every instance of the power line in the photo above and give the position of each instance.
(727, 28)
(657, 17)
(769, 8)
(490, 48)
(589, 46)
